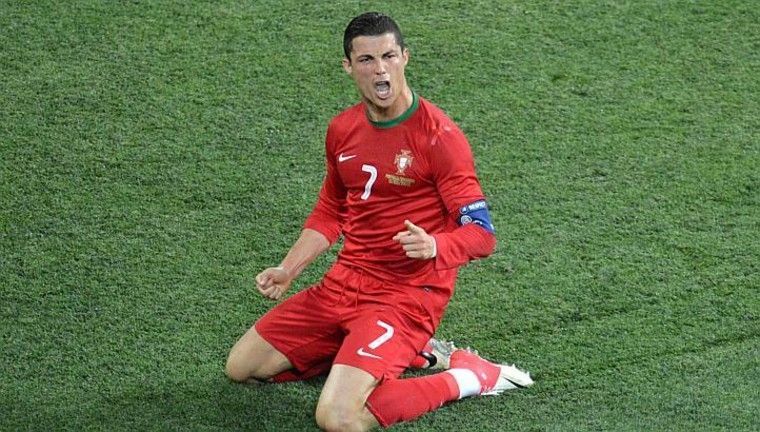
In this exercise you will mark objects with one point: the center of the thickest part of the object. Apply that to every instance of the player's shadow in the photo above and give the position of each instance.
(197, 403)
(221, 404)
(269, 407)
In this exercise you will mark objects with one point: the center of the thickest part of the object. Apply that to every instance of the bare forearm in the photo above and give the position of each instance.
(304, 251)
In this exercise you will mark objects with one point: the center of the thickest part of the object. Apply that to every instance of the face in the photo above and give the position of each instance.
(377, 66)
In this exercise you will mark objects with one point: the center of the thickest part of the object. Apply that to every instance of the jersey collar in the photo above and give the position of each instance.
(385, 124)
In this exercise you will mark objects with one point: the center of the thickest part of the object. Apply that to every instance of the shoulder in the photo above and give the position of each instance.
(347, 119)
(437, 125)
(342, 125)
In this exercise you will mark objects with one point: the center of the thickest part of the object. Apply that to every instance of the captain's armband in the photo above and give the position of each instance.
(477, 213)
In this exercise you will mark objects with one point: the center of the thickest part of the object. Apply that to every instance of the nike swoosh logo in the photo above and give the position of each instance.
(363, 353)
(342, 158)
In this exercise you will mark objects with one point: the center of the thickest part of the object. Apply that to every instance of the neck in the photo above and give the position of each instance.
(400, 105)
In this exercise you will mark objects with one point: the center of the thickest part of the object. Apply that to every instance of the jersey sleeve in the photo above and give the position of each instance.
(456, 180)
(329, 212)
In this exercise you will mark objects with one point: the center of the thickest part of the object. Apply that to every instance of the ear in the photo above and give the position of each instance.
(347, 65)
(405, 55)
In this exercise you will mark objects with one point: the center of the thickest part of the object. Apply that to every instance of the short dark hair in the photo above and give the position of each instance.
(370, 24)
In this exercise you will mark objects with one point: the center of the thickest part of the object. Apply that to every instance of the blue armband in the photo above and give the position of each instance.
(476, 213)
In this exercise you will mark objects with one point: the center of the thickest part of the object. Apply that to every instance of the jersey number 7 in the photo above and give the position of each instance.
(372, 177)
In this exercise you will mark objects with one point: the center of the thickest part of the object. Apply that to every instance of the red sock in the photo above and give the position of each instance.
(397, 400)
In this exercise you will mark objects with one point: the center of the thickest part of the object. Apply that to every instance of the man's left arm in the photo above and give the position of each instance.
(454, 173)
(474, 238)
(451, 249)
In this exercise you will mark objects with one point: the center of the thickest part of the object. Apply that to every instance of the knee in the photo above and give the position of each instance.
(235, 368)
(338, 417)
(241, 369)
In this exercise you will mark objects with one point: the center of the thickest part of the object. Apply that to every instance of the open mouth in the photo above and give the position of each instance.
(383, 89)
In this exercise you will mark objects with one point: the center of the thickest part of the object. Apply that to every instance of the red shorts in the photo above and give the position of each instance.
(354, 319)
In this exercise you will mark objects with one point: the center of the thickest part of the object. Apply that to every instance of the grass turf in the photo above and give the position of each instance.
(156, 155)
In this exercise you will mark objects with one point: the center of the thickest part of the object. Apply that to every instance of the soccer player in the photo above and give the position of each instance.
(401, 189)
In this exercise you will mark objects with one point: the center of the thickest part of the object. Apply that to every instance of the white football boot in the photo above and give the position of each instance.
(494, 378)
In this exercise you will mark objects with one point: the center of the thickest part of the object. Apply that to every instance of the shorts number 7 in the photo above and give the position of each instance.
(383, 337)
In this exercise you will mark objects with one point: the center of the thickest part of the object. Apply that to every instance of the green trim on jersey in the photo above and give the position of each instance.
(405, 115)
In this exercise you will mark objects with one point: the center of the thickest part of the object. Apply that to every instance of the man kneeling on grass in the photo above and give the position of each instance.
(401, 188)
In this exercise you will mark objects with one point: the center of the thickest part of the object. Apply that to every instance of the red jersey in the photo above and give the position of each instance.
(419, 167)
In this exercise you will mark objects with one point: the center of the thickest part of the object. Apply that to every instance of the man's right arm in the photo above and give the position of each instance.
(275, 281)
(321, 229)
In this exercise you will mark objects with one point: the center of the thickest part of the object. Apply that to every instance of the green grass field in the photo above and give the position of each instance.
(157, 155)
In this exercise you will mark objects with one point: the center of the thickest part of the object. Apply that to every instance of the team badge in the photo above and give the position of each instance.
(403, 162)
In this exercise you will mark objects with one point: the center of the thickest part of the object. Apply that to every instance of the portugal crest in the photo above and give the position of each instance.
(403, 161)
